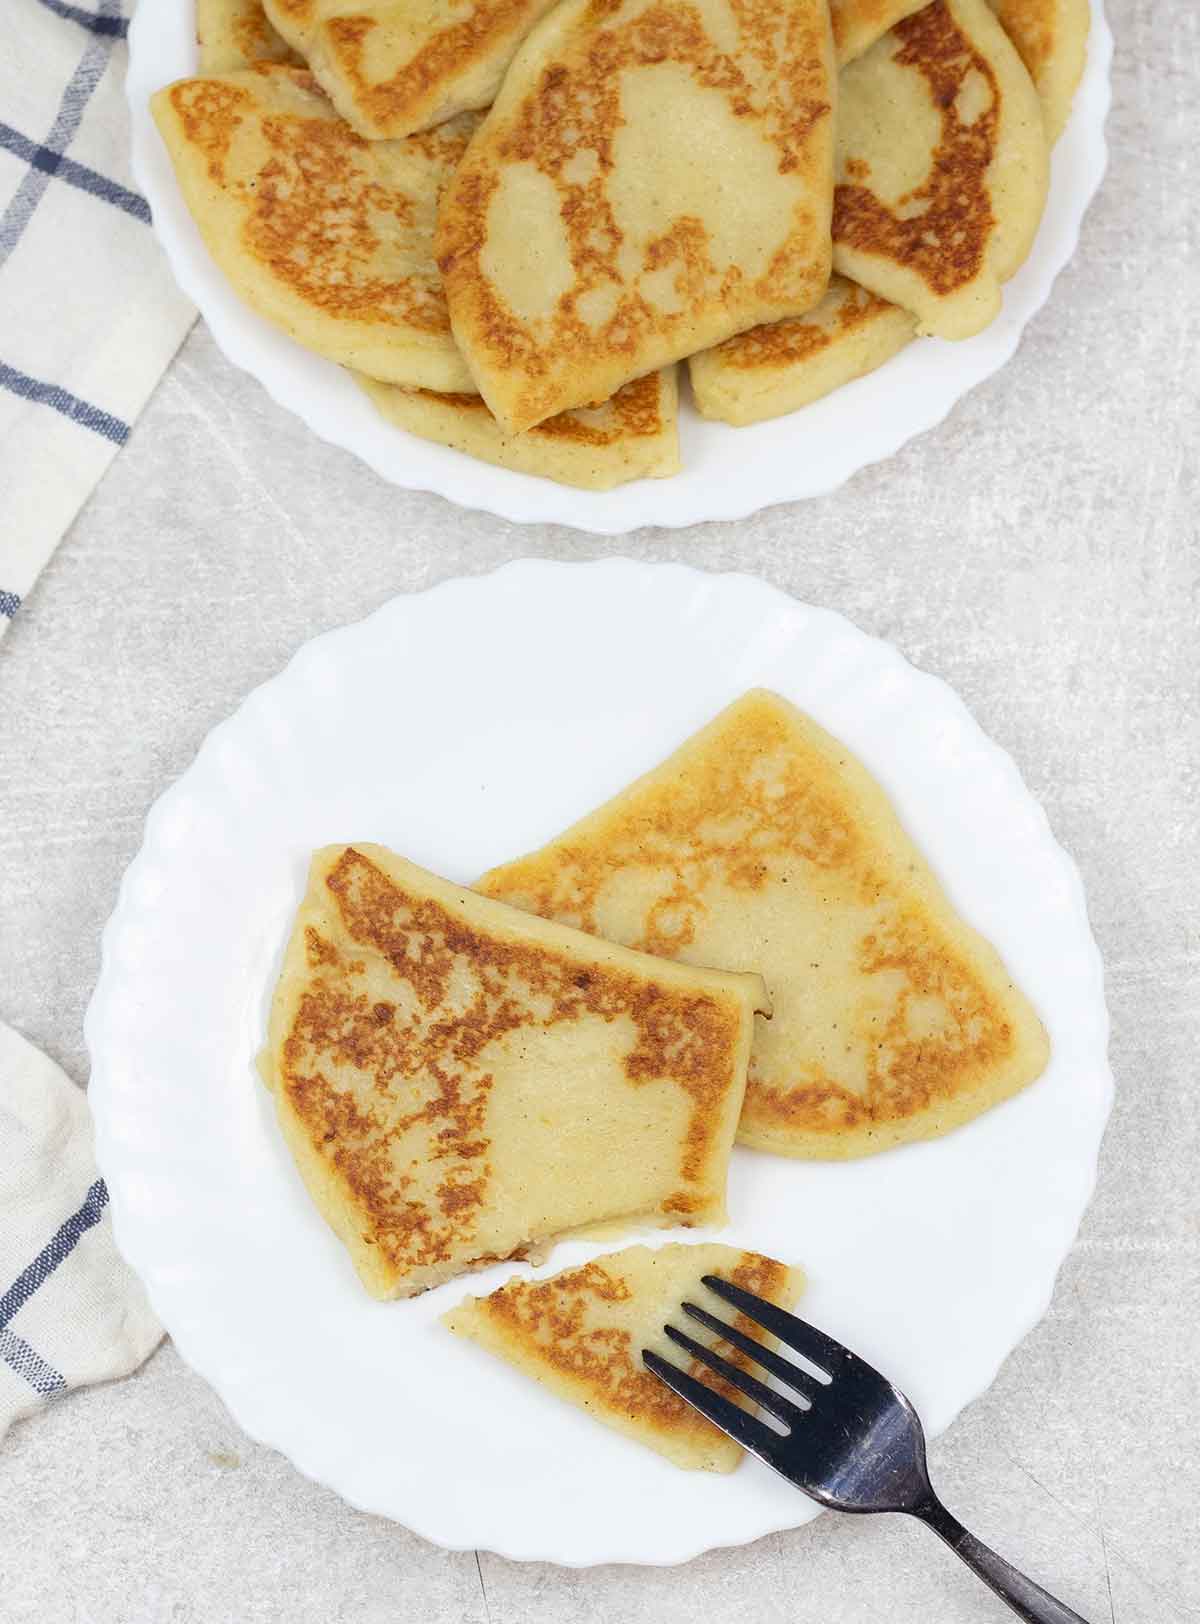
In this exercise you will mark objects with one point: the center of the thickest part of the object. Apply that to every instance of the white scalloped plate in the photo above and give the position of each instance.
(461, 726)
(728, 473)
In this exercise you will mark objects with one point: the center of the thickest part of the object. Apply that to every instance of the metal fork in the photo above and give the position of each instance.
(857, 1445)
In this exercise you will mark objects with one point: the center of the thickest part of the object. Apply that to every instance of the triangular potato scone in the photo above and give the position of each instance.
(778, 368)
(459, 1082)
(942, 167)
(763, 842)
(581, 1334)
(1051, 37)
(328, 236)
(394, 66)
(233, 34)
(635, 435)
(651, 179)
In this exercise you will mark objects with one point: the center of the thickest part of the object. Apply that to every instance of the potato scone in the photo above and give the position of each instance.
(232, 34)
(460, 1082)
(328, 236)
(942, 167)
(394, 66)
(780, 367)
(581, 1334)
(650, 180)
(1051, 38)
(635, 435)
(763, 842)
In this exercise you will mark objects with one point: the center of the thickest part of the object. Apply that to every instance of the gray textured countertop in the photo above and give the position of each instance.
(1039, 551)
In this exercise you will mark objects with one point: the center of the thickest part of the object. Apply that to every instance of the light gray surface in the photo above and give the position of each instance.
(1039, 552)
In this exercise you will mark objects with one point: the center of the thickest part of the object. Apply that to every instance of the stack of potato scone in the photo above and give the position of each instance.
(512, 218)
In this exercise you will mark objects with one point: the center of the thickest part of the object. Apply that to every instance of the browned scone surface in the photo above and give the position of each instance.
(456, 1086)
(651, 178)
(325, 234)
(780, 343)
(395, 66)
(763, 842)
(942, 230)
(942, 167)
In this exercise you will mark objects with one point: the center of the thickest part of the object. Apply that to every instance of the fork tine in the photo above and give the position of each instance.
(812, 1344)
(752, 1434)
(783, 1369)
(765, 1397)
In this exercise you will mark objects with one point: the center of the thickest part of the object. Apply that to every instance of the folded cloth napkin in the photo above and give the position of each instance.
(71, 1311)
(89, 313)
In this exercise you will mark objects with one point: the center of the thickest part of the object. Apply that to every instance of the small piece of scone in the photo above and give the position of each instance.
(581, 1334)
(942, 167)
(635, 435)
(460, 1082)
(328, 236)
(762, 842)
(780, 367)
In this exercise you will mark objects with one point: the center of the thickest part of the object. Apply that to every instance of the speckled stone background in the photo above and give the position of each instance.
(1039, 551)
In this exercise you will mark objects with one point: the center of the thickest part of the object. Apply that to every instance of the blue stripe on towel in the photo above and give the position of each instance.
(75, 98)
(53, 1253)
(50, 162)
(116, 27)
(79, 411)
(28, 1362)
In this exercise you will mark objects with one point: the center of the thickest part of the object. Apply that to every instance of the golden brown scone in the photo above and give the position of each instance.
(776, 369)
(635, 435)
(460, 1082)
(232, 34)
(395, 66)
(763, 843)
(942, 167)
(328, 236)
(580, 1334)
(651, 179)
(1051, 37)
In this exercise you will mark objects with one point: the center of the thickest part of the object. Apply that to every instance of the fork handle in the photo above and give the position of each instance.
(1027, 1600)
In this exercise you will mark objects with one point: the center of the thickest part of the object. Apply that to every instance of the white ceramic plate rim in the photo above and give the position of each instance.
(728, 473)
(850, 672)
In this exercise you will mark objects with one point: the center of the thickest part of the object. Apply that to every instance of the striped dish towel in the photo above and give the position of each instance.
(89, 313)
(71, 1311)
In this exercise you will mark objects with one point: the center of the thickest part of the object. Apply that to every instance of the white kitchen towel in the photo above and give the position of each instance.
(71, 1310)
(89, 312)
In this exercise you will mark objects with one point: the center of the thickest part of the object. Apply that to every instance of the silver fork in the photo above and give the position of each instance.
(858, 1445)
